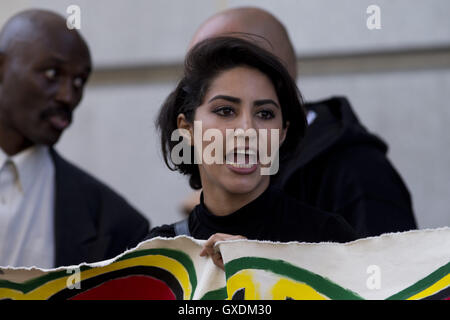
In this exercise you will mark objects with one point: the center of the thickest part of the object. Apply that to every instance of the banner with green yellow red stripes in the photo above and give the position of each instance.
(411, 265)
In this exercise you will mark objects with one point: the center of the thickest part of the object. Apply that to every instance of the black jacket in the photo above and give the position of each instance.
(342, 168)
(92, 222)
(273, 216)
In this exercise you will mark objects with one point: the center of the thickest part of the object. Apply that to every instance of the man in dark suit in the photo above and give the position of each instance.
(51, 212)
(339, 167)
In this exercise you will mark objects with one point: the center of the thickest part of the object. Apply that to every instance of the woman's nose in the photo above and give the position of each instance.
(244, 131)
(245, 121)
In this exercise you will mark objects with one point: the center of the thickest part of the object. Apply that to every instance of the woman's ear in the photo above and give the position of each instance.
(186, 127)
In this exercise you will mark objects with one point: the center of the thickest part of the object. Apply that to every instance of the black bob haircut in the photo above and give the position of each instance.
(203, 63)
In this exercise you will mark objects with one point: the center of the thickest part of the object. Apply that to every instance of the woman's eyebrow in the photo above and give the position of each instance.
(224, 97)
(258, 103)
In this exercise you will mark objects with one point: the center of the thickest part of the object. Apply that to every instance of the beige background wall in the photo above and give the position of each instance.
(397, 78)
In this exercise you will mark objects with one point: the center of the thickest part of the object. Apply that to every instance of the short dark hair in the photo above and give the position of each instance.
(203, 63)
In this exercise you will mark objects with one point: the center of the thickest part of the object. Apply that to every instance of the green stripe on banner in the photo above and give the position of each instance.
(422, 284)
(283, 268)
(219, 294)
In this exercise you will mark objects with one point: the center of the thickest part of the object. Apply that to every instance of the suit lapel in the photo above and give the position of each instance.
(74, 225)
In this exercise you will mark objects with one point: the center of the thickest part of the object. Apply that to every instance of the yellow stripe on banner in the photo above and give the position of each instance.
(436, 287)
(50, 288)
(240, 280)
(285, 288)
(10, 294)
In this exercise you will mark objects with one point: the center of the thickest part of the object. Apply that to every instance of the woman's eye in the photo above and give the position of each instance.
(50, 74)
(224, 111)
(266, 114)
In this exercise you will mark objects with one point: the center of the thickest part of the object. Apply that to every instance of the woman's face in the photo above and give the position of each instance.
(239, 98)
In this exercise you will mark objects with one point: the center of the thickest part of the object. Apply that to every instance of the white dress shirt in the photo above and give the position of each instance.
(27, 187)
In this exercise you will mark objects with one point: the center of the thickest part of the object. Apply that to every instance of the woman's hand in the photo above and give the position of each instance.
(209, 249)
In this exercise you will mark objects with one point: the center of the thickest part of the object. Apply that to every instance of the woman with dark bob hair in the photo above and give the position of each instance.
(236, 110)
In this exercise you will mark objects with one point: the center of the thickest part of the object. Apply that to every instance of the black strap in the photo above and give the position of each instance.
(182, 228)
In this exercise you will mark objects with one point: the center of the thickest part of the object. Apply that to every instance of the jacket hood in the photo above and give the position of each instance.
(335, 126)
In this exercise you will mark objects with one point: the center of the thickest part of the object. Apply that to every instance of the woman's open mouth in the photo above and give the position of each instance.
(243, 161)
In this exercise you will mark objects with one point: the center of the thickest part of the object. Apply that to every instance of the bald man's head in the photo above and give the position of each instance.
(43, 69)
(248, 21)
(44, 26)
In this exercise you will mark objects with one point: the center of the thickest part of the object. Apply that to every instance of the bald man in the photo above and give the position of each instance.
(339, 167)
(51, 212)
(255, 24)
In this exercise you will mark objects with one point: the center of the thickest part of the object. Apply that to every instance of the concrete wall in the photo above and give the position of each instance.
(397, 78)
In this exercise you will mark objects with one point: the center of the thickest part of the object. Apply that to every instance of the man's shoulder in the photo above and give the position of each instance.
(71, 178)
(64, 169)
(363, 163)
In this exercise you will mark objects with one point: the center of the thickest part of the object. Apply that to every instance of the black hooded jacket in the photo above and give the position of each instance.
(342, 168)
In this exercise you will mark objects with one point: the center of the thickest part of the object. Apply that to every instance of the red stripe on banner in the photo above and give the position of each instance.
(128, 288)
